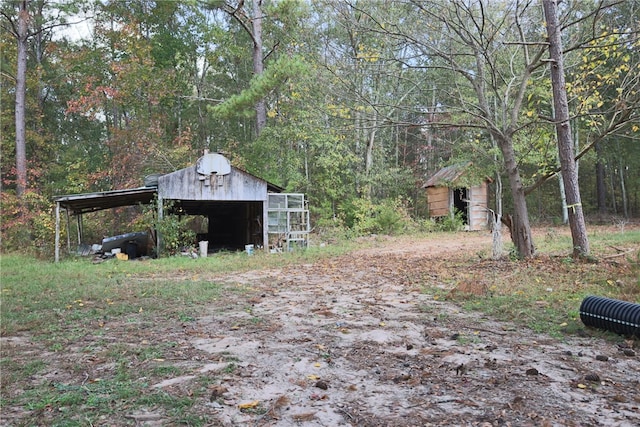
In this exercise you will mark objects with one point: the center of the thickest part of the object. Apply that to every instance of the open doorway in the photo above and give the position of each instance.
(461, 203)
(226, 226)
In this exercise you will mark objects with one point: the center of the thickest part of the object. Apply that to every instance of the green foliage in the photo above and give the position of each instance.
(276, 74)
(363, 216)
(27, 224)
(349, 113)
(453, 222)
(176, 231)
(175, 234)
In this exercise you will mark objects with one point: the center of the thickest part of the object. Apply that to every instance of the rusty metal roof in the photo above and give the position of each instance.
(77, 204)
(91, 202)
(446, 176)
(82, 203)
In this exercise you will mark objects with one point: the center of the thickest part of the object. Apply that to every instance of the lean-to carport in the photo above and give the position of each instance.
(79, 204)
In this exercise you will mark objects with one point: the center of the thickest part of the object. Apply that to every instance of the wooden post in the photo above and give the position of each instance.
(79, 226)
(265, 224)
(68, 231)
(160, 216)
(57, 242)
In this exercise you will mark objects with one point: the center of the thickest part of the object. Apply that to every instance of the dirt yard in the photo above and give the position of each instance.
(355, 341)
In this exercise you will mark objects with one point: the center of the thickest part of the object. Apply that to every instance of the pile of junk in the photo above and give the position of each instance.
(129, 246)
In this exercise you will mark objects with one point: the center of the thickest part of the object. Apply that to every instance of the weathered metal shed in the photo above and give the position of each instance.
(234, 201)
(237, 205)
(446, 194)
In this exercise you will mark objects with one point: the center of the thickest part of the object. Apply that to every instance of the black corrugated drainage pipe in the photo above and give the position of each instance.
(617, 316)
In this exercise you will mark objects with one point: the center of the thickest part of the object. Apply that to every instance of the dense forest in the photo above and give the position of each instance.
(355, 103)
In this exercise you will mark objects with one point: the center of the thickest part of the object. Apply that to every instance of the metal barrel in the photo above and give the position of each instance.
(617, 316)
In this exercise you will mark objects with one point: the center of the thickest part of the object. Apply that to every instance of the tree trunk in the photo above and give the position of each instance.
(371, 140)
(563, 196)
(601, 184)
(623, 190)
(519, 224)
(496, 217)
(21, 93)
(496, 229)
(563, 131)
(258, 64)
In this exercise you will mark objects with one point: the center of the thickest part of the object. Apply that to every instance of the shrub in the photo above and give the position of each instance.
(452, 223)
(175, 232)
(27, 223)
(363, 216)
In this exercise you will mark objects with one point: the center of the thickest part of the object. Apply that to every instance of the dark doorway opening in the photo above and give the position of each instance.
(461, 203)
(234, 225)
(228, 225)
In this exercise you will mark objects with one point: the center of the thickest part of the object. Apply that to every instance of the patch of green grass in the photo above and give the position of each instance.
(184, 317)
(16, 369)
(166, 371)
(255, 410)
(193, 420)
(230, 368)
(545, 293)
(104, 397)
(37, 294)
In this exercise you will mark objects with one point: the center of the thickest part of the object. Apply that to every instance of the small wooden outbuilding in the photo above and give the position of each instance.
(447, 193)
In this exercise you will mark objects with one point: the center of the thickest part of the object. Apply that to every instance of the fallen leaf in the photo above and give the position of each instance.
(249, 405)
(217, 391)
(582, 386)
(308, 416)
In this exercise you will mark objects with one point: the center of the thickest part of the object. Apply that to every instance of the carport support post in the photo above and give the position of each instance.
(68, 231)
(265, 224)
(80, 232)
(160, 216)
(57, 242)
